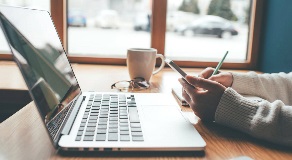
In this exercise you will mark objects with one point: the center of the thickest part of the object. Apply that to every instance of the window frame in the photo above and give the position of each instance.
(158, 32)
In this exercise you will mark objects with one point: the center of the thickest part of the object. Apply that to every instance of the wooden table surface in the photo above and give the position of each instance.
(23, 135)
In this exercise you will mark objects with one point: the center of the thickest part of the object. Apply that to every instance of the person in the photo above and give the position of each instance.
(219, 98)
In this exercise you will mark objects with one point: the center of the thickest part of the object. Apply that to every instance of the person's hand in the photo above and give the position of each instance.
(225, 78)
(203, 101)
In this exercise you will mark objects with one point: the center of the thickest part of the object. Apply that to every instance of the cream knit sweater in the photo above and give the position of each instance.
(269, 119)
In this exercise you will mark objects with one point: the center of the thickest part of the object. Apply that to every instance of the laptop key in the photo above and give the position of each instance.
(85, 116)
(93, 117)
(125, 138)
(124, 132)
(135, 125)
(102, 126)
(103, 116)
(101, 131)
(100, 137)
(102, 123)
(94, 114)
(123, 117)
(112, 136)
(79, 133)
(103, 119)
(113, 118)
(81, 129)
(90, 129)
(113, 115)
(113, 125)
(123, 110)
(138, 138)
(124, 120)
(78, 138)
(88, 138)
(114, 105)
(123, 114)
(124, 128)
(91, 124)
(132, 105)
(89, 133)
(124, 124)
(114, 112)
(113, 130)
(95, 108)
(137, 134)
(113, 109)
(89, 103)
(92, 121)
(96, 104)
(113, 122)
(136, 129)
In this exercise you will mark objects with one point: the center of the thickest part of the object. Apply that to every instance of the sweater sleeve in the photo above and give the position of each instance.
(271, 87)
(261, 119)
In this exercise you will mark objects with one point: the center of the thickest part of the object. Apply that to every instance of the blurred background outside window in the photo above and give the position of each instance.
(107, 28)
(195, 29)
(206, 29)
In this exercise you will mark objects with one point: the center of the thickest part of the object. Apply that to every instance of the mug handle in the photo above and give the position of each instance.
(162, 63)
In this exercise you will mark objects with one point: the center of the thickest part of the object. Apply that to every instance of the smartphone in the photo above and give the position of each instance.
(175, 67)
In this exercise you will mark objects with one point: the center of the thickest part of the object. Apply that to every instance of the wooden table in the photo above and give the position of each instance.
(23, 136)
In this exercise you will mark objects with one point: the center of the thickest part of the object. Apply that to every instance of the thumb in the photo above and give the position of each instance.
(201, 82)
(216, 77)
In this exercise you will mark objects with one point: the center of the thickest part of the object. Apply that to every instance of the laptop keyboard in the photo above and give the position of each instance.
(55, 124)
(110, 117)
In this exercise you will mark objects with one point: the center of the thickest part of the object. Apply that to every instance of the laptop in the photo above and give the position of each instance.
(89, 121)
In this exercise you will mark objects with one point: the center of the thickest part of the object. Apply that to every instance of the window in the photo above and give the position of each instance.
(106, 28)
(100, 31)
(205, 29)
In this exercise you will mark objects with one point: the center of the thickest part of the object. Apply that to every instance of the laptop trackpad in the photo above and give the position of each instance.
(165, 125)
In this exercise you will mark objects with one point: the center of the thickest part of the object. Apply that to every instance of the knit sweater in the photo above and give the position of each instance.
(270, 118)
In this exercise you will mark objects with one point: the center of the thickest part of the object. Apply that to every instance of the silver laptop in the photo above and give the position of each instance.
(89, 121)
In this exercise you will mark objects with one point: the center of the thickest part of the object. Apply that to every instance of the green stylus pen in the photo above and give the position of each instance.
(220, 64)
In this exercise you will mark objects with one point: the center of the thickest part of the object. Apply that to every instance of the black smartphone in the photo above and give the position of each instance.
(175, 67)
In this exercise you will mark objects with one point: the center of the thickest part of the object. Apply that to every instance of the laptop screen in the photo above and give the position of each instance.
(40, 56)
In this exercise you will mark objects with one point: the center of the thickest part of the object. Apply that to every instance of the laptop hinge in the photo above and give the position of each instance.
(72, 116)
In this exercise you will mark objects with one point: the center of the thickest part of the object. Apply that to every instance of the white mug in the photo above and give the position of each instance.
(141, 62)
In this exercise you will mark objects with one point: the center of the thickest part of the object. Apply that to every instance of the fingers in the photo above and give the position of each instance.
(201, 82)
(187, 97)
(190, 91)
(186, 85)
(206, 73)
(225, 78)
(216, 77)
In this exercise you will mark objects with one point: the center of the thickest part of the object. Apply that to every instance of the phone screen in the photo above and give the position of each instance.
(175, 67)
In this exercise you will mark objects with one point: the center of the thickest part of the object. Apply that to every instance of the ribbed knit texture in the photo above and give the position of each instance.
(268, 119)
(271, 87)
(244, 83)
(235, 111)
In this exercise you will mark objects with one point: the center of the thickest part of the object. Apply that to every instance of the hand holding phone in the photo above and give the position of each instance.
(177, 91)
